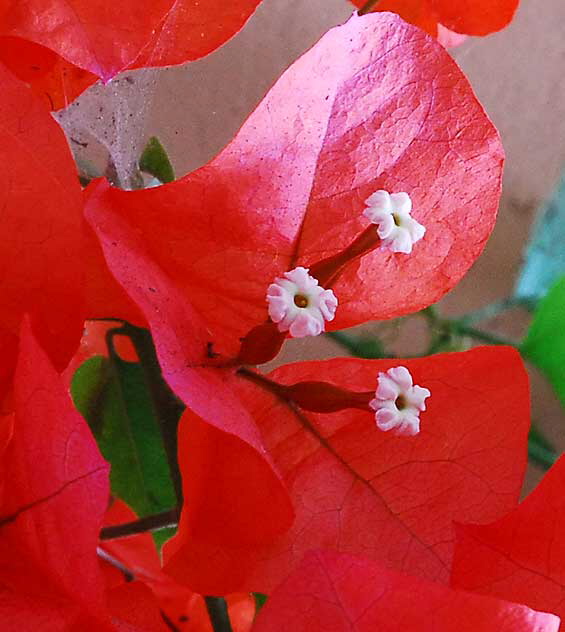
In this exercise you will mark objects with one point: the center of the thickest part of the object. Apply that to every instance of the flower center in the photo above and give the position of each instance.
(299, 305)
(398, 402)
(397, 229)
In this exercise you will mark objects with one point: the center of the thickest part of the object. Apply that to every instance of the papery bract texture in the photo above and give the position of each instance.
(181, 339)
(332, 592)
(521, 556)
(475, 17)
(360, 490)
(41, 256)
(56, 81)
(101, 38)
(376, 104)
(183, 608)
(232, 510)
(51, 515)
(469, 17)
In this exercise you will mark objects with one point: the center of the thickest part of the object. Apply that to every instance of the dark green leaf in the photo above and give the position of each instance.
(260, 601)
(154, 160)
(544, 345)
(113, 398)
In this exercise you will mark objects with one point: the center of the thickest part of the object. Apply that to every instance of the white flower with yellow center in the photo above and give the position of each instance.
(299, 305)
(398, 402)
(398, 230)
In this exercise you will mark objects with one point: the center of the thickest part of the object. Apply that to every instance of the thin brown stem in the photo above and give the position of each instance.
(263, 381)
(154, 522)
(218, 613)
(107, 557)
(368, 6)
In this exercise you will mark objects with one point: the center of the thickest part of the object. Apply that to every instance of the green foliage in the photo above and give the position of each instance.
(260, 601)
(155, 161)
(540, 450)
(360, 347)
(545, 255)
(114, 399)
(544, 346)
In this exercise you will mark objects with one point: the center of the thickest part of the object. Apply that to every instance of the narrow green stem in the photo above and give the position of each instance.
(368, 6)
(462, 329)
(494, 309)
(541, 456)
(369, 348)
(346, 341)
(218, 612)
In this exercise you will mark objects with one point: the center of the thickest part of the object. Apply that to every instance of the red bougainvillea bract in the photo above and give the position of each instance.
(76, 42)
(50, 520)
(355, 488)
(469, 17)
(341, 593)
(289, 190)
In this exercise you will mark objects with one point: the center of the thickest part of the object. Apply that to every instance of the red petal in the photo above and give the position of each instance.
(417, 12)
(391, 498)
(105, 37)
(521, 556)
(181, 342)
(50, 520)
(181, 605)
(137, 553)
(42, 260)
(232, 510)
(52, 78)
(375, 104)
(475, 17)
(340, 593)
(134, 608)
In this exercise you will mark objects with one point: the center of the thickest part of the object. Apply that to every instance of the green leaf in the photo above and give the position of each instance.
(544, 260)
(155, 161)
(113, 398)
(544, 345)
(260, 601)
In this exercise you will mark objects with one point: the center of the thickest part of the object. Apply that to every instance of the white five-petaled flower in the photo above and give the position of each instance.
(299, 305)
(398, 402)
(391, 212)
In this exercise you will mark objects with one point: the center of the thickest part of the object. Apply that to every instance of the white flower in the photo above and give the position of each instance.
(299, 305)
(396, 228)
(398, 402)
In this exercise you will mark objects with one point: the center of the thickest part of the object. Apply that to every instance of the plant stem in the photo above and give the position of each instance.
(360, 347)
(540, 455)
(368, 6)
(218, 612)
(462, 329)
(494, 309)
(154, 522)
(104, 555)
